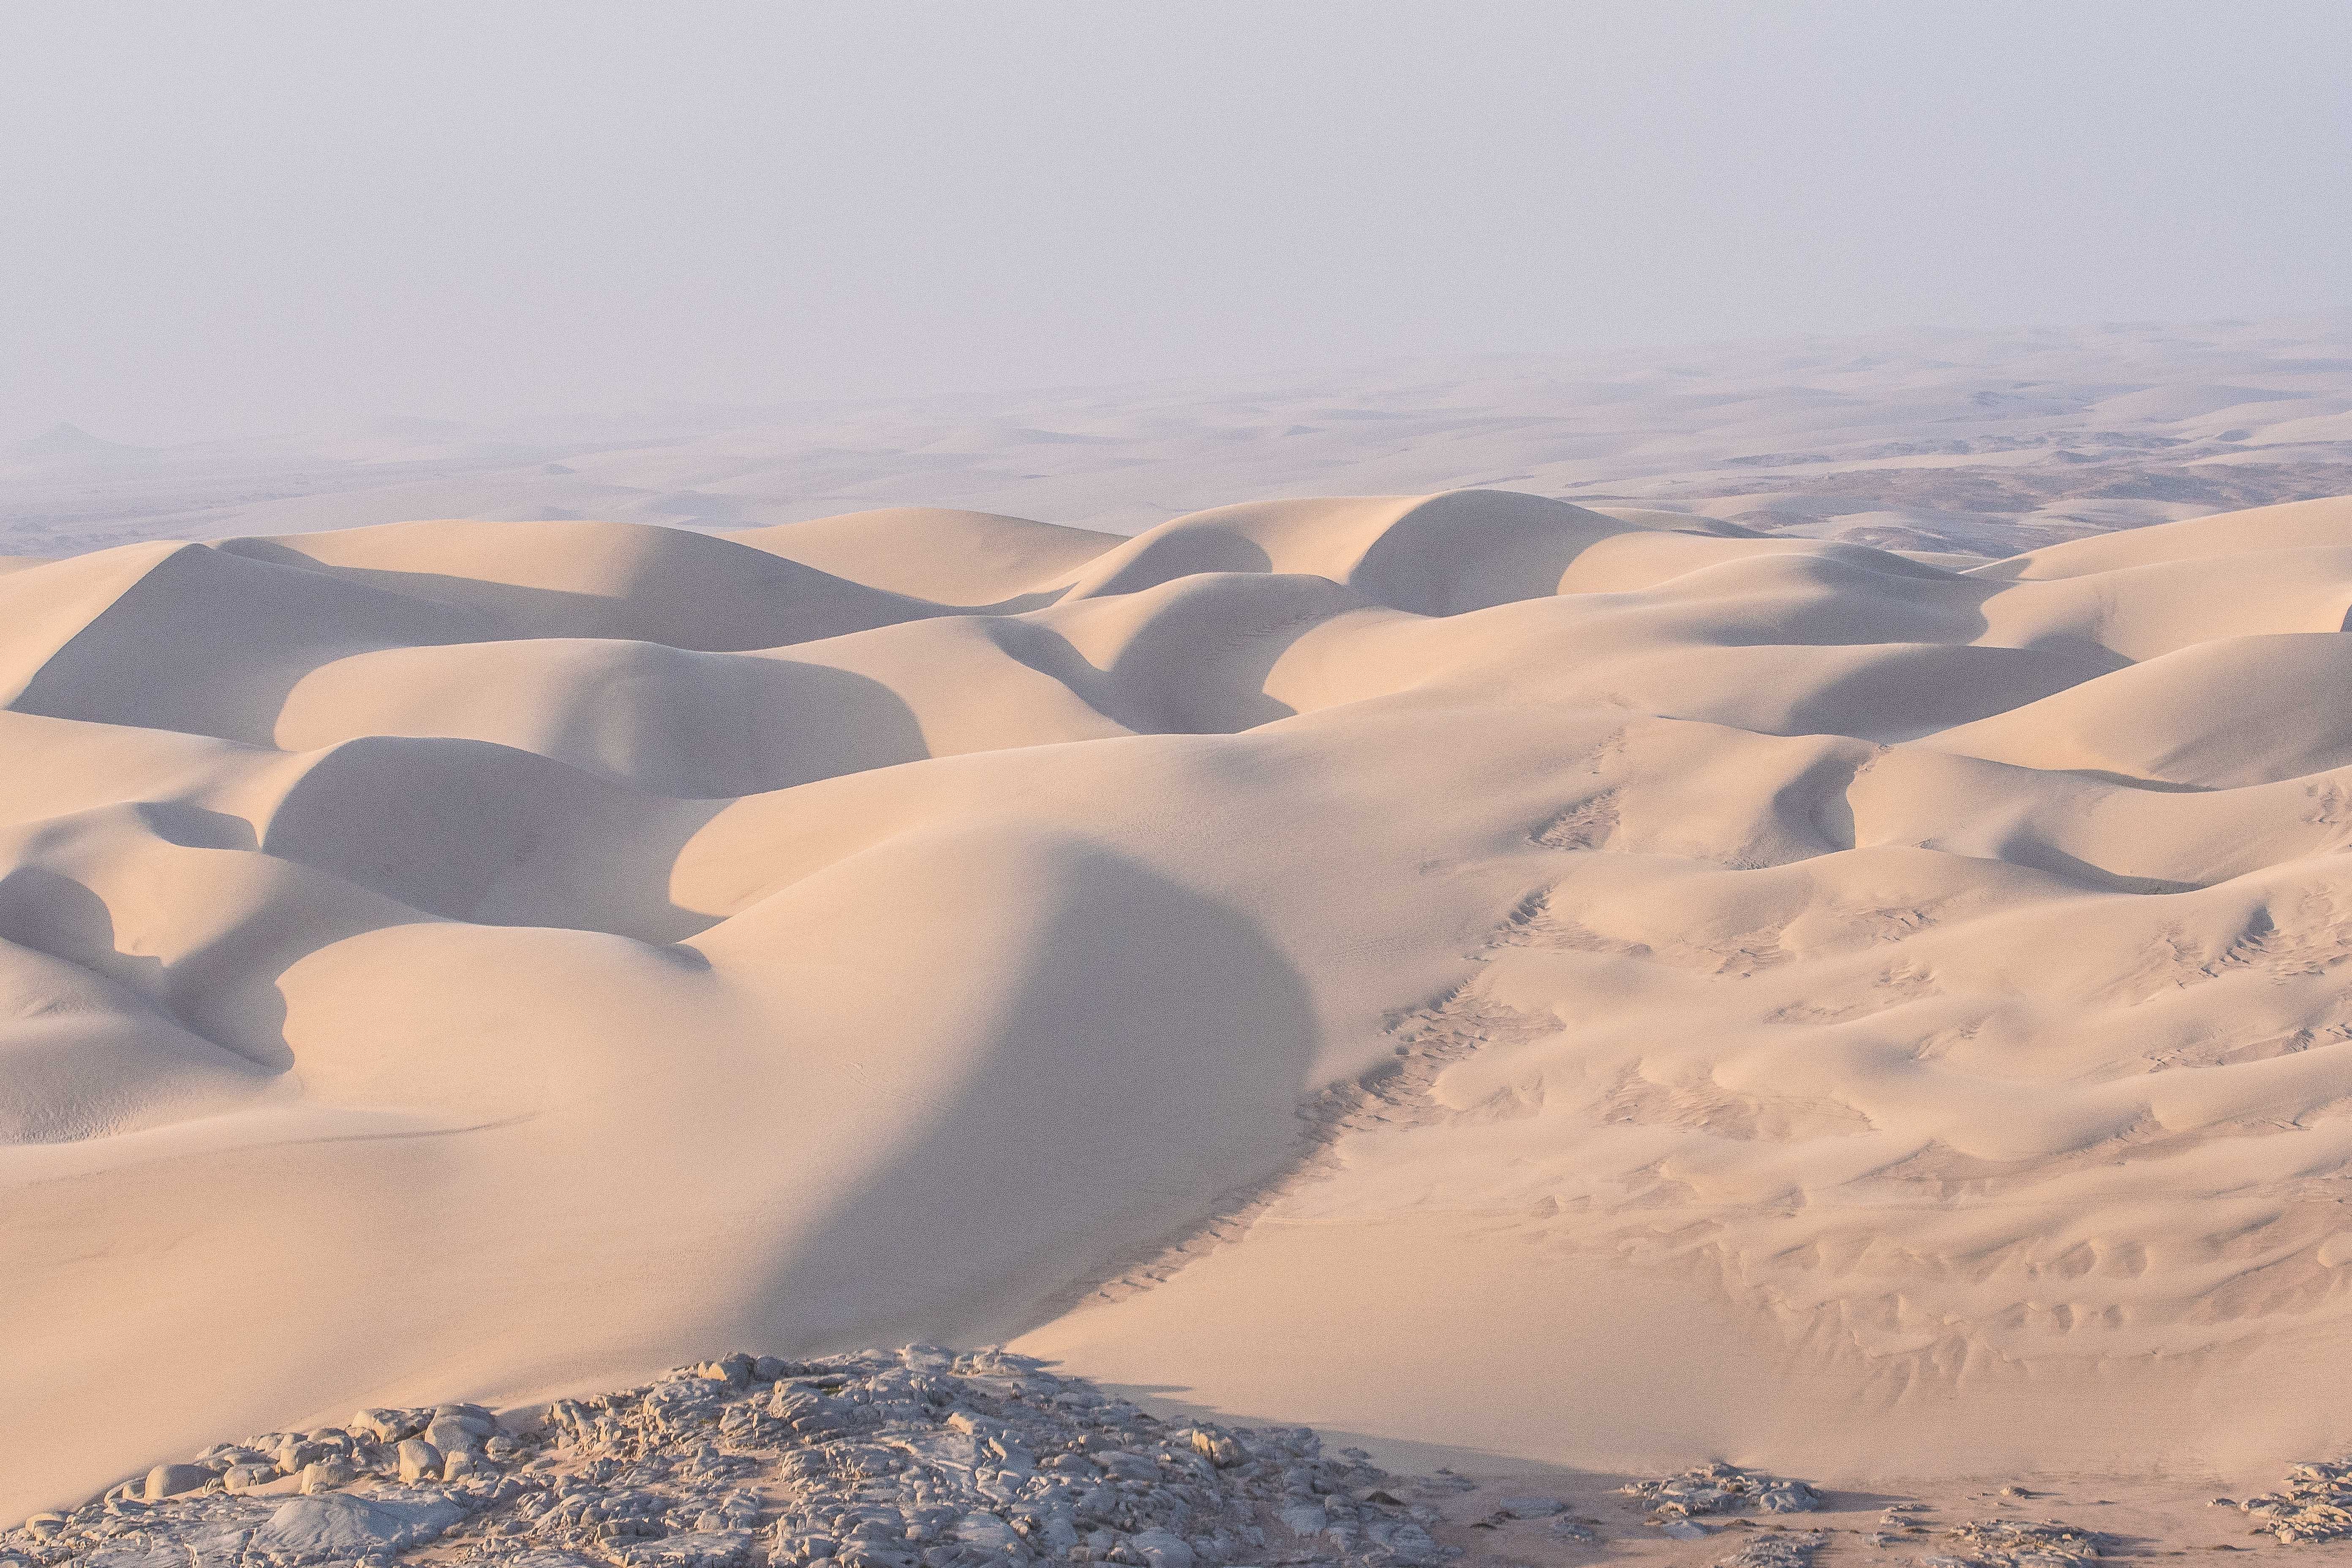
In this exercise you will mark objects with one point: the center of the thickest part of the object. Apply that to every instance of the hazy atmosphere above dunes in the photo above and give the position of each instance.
(260, 216)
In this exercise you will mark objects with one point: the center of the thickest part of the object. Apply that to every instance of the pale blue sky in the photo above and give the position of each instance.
(228, 218)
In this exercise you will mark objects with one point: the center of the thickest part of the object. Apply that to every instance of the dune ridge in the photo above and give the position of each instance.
(1681, 979)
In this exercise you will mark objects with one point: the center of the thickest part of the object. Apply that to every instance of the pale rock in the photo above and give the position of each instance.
(297, 1452)
(881, 1478)
(694, 1549)
(1410, 1543)
(1158, 1548)
(868, 1553)
(472, 1418)
(386, 1426)
(1217, 1449)
(340, 1525)
(1123, 1465)
(1790, 1549)
(986, 1531)
(453, 1433)
(1304, 1518)
(170, 1480)
(326, 1475)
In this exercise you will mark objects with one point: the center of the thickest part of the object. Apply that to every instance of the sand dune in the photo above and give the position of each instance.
(1653, 990)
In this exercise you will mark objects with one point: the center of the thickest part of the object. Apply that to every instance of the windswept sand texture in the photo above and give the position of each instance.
(1605, 989)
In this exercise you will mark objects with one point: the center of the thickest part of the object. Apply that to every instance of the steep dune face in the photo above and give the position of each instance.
(1630, 986)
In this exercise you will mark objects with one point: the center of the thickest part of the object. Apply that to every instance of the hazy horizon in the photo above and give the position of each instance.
(653, 418)
(259, 219)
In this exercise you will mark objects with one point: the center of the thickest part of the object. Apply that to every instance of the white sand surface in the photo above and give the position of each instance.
(1582, 989)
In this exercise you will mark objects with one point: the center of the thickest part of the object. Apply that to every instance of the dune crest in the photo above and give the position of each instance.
(1643, 983)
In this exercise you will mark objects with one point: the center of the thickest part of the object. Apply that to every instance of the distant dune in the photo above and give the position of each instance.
(1982, 443)
(1603, 986)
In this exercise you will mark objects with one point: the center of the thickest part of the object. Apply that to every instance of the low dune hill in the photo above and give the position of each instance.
(1603, 989)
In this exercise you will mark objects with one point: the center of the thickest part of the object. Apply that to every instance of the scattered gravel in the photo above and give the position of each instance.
(2316, 1506)
(1722, 1488)
(1778, 1548)
(914, 1458)
(2010, 1543)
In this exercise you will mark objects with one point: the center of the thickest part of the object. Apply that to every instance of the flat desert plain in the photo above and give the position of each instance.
(1985, 442)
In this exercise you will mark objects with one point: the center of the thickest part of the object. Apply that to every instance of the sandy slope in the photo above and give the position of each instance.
(1464, 968)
